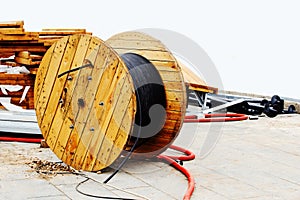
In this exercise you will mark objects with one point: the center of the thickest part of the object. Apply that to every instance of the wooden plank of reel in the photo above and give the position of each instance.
(166, 64)
(86, 103)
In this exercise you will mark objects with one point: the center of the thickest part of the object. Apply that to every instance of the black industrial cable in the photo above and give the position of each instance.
(97, 196)
(149, 90)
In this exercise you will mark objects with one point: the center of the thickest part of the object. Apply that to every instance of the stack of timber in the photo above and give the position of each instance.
(21, 48)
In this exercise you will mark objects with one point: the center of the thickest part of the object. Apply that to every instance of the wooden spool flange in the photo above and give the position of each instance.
(85, 102)
(163, 60)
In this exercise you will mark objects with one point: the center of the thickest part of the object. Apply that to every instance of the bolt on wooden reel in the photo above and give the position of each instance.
(89, 104)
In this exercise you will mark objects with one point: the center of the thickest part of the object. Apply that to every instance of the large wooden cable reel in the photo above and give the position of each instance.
(87, 101)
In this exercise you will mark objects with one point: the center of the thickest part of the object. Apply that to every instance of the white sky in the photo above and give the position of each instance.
(255, 44)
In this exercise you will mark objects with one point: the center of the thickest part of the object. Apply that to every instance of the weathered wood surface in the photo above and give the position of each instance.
(21, 48)
(14, 39)
(86, 115)
(195, 82)
(170, 72)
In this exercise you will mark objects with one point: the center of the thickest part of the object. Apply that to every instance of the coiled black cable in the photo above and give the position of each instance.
(150, 92)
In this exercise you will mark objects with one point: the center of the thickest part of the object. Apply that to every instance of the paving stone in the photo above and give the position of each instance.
(27, 188)
(252, 160)
(153, 193)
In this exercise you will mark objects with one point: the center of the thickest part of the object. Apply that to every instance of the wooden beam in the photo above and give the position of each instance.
(12, 31)
(18, 37)
(12, 24)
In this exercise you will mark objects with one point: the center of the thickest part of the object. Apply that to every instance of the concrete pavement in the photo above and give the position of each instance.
(253, 160)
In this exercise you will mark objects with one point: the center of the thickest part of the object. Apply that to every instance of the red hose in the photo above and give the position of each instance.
(189, 155)
(191, 117)
(171, 160)
(218, 117)
(14, 139)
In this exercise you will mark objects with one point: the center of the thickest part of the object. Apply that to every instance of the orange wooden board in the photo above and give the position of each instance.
(85, 115)
(166, 64)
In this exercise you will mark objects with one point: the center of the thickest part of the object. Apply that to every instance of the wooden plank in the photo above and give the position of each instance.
(36, 57)
(44, 67)
(49, 41)
(169, 76)
(13, 49)
(175, 96)
(203, 88)
(174, 86)
(136, 44)
(84, 87)
(13, 24)
(81, 30)
(73, 57)
(80, 112)
(67, 138)
(91, 121)
(151, 55)
(100, 118)
(46, 78)
(174, 106)
(61, 62)
(121, 138)
(131, 35)
(16, 79)
(165, 65)
(195, 82)
(170, 73)
(22, 37)
(60, 33)
(171, 125)
(121, 102)
(173, 115)
(12, 31)
(90, 142)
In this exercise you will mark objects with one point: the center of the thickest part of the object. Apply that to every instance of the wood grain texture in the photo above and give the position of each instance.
(86, 115)
(153, 50)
